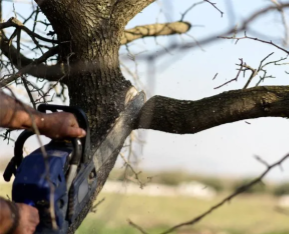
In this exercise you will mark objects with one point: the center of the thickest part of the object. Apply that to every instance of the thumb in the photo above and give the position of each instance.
(76, 132)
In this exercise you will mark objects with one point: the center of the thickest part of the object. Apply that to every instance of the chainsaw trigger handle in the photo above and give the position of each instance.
(81, 119)
(10, 170)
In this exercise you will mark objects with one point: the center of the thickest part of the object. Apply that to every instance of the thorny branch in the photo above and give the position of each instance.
(256, 39)
(6, 80)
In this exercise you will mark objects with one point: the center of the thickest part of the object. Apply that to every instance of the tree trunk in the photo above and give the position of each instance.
(90, 42)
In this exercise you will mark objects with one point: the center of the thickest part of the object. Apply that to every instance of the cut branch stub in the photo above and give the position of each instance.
(182, 117)
(154, 30)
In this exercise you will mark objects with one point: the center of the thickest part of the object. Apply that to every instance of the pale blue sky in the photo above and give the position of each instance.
(224, 150)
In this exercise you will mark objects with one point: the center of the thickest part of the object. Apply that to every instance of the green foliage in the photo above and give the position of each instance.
(257, 188)
(281, 189)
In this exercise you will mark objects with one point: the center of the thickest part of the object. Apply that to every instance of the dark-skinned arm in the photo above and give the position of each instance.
(6, 220)
(16, 115)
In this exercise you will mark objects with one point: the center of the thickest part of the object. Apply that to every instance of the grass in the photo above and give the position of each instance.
(250, 214)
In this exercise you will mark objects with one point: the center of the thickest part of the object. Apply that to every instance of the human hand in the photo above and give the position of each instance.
(60, 125)
(28, 219)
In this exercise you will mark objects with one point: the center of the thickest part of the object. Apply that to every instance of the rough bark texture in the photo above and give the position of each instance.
(181, 117)
(90, 44)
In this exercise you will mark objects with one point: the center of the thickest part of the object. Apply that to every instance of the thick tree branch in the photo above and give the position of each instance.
(125, 10)
(154, 30)
(182, 117)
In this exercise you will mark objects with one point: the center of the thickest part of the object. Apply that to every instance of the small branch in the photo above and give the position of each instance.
(229, 198)
(136, 227)
(136, 174)
(93, 209)
(14, 22)
(286, 35)
(214, 5)
(234, 79)
(185, 46)
(256, 39)
(32, 65)
(189, 9)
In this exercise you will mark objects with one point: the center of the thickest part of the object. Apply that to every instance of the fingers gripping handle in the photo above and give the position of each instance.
(81, 119)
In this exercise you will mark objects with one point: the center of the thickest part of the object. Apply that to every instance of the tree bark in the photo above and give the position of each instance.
(89, 44)
(187, 117)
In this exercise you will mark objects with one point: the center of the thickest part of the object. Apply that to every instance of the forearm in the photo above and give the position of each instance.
(6, 220)
(16, 115)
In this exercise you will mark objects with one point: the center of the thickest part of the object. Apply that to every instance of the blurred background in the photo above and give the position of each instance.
(163, 179)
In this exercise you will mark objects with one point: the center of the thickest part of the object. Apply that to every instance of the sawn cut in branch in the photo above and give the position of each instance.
(182, 117)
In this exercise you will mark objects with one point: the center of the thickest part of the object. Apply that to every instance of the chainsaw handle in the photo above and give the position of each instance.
(18, 155)
(79, 113)
(19, 143)
(81, 119)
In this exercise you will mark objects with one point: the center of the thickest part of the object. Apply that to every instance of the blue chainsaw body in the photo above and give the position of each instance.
(64, 178)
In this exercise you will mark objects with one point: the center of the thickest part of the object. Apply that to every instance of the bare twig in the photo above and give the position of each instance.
(214, 5)
(257, 39)
(136, 226)
(229, 198)
(136, 174)
(189, 9)
(26, 69)
(93, 209)
(13, 22)
(234, 79)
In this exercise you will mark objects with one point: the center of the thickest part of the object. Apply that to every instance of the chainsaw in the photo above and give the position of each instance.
(61, 174)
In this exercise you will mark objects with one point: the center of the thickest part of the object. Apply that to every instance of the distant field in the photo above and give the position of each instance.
(254, 214)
